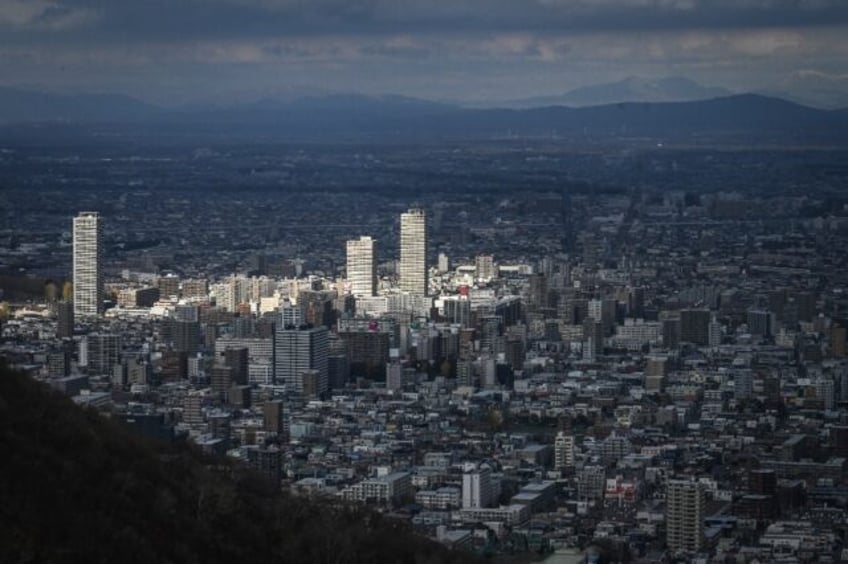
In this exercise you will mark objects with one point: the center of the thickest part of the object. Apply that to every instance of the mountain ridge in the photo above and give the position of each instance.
(398, 117)
(630, 89)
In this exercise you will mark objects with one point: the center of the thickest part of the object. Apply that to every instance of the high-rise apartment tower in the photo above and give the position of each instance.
(413, 252)
(361, 272)
(88, 271)
(685, 507)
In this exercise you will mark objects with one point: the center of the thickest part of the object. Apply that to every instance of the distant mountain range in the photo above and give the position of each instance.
(22, 106)
(633, 89)
(396, 117)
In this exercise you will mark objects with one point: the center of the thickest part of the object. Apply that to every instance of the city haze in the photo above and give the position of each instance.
(469, 52)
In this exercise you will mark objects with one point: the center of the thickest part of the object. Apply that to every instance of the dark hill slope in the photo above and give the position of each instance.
(76, 487)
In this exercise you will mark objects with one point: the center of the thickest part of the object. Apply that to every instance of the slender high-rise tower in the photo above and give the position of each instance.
(361, 272)
(88, 272)
(413, 252)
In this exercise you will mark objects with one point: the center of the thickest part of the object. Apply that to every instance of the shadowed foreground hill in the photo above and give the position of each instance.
(76, 487)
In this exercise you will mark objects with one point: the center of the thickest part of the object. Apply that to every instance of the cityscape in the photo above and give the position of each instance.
(424, 282)
(624, 374)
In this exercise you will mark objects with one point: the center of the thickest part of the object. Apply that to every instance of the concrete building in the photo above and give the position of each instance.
(515, 514)
(760, 322)
(65, 321)
(100, 352)
(221, 379)
(413, 252)
(87, 263)
(361, 266)
(297, 350)
(237, 359)
(694, 326)
(443, 498)
(591, 483)
(386, 488)
(685, 506)
(477, 488)
(563, 451)
(273, 418)
(185, 336)
(484, 267)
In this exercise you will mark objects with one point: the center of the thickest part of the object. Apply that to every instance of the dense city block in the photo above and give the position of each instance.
(631, 351)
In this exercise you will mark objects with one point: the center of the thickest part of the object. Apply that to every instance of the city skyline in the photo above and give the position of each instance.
(629, 346)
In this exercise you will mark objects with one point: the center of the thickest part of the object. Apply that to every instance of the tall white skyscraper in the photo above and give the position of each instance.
(413, 252)
(88, 271)
(361, 271)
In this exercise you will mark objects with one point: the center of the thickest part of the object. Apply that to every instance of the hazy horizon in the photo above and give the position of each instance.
(469, 51)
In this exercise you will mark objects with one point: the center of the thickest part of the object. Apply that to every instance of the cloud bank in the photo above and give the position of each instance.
(439, 48)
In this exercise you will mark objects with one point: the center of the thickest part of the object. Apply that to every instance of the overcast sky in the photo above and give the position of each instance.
(177, 51)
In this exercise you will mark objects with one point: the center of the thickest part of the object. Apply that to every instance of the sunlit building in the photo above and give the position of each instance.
(413, 252)
(361, 272)
(88, 271)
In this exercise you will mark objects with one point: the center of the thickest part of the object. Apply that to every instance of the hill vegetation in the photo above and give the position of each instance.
(77, 487)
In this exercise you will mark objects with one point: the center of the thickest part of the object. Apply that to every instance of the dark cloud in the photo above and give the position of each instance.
(433, 48)
(128, 20)
(397, 51)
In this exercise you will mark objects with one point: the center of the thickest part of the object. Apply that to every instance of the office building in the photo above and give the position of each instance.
(361, 267)
(273, 418)
(237, 358)
(65, 322)
(88, 267)
(290, 316)
(671, 333)
(169, 286)
(760, 323)
(484, 267)
(413, 252)
(59, 364)
(195, 288)
(537, 292)
(221, 379)
(603, 312)
(297, 350)
(100, 352)
(316, 307)
(685, 505)
(694, 326)
(185, 335)
(478, 489)
(368, 352)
